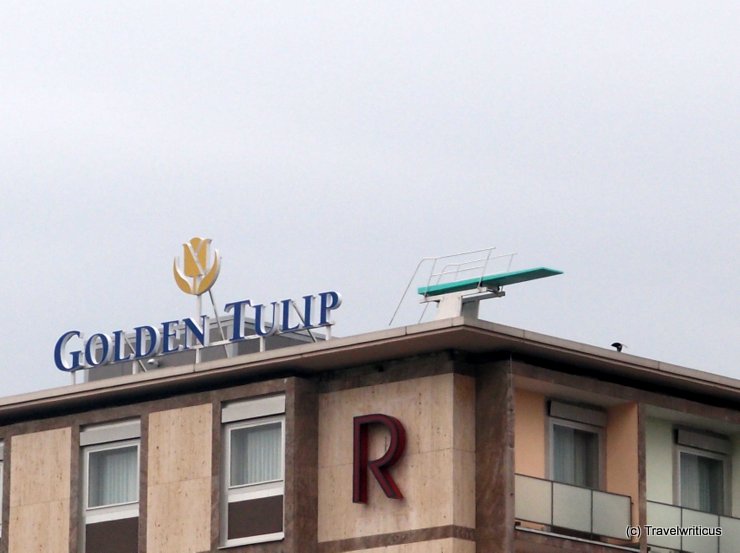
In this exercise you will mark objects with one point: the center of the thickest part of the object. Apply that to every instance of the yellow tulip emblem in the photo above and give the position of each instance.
(196, 267)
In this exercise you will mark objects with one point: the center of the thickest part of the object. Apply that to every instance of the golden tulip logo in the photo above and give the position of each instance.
(197, 276)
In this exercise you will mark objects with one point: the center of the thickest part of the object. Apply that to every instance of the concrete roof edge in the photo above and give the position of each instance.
(668, 369)
(281, 355)
(292, 358)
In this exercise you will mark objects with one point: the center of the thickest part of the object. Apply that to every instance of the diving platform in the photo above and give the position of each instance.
(458, 282)
(488, 282)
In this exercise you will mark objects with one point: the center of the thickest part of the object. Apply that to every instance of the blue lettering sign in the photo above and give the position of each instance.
(149, 341)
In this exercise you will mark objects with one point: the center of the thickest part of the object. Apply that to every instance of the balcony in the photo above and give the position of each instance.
(671, 516)
(562, 506)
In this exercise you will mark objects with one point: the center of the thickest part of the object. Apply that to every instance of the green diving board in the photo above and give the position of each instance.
(490, 281)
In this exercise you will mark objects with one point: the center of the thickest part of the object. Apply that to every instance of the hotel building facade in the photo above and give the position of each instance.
(455, 436)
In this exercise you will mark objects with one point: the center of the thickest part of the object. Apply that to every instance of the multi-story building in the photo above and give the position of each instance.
(458, 435)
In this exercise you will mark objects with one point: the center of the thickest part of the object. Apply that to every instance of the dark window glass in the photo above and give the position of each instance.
(702, 483)
(575, 456)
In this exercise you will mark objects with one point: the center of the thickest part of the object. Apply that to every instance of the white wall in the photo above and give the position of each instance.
(659, 460)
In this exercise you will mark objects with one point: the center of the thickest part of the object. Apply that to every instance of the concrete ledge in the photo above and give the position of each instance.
(461, 334)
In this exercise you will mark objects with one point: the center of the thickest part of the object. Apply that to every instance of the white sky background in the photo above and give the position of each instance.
(331, 145)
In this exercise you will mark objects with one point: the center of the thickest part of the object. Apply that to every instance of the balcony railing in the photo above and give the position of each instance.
(572, 507)
(662, 515)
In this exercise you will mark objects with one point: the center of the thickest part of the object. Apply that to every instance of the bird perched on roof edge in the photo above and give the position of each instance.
(618, 346)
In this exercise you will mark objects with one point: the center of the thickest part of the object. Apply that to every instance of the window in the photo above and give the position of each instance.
(702, 482)
(576, 437)
(110, 494)
(252, 502)
(703, 466)
(575, 455)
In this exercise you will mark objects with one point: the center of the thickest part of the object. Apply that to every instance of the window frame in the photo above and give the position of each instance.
(726, 461)
(114, 511)
(255, 423)
(243, 492)
(601, 449)
(101, 437)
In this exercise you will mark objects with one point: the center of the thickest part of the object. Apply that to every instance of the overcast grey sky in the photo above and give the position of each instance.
(330, 145)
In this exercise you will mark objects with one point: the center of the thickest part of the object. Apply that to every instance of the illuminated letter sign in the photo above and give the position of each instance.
(149, 341)
(379, 467)
(200, 269)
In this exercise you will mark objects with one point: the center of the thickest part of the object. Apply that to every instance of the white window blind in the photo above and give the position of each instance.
(113, 476)
(575, 456)
(113, 432)
(702, 483)
(253, 408)
(256, 454)
(254, 450)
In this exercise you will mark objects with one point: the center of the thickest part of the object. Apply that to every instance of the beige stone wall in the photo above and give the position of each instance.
(530, 426)
(40, 492)
(179, 480)
(436, 474)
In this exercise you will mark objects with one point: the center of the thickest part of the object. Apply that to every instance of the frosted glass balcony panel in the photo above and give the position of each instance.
(730, 540)
(571, 507)
(611, 514)
(700, 544)
(659, 514)
(533, 499)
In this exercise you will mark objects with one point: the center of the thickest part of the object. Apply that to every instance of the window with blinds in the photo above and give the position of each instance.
(576, 444)
(703, 470)
(254, 439)
(575, 456)
(110, 495)
(113, 475)
(702, 482)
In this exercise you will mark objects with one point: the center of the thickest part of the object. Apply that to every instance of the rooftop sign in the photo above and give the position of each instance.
(73, 351)
(196, 267)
